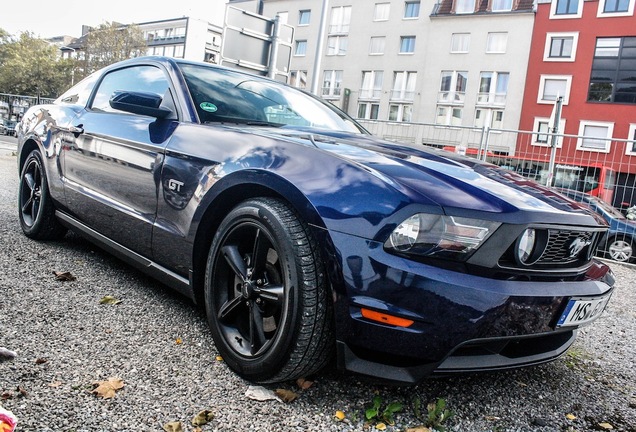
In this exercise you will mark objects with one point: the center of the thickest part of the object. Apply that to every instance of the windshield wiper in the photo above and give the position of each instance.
(228, 120)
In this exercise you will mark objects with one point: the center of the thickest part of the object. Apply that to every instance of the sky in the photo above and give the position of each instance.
(46, 18)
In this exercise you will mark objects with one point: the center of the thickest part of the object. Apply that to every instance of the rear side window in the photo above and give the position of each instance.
(80, 92)
(137, 78)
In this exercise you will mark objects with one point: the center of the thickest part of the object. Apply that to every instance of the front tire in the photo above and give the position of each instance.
(266, 294)
(35, 206)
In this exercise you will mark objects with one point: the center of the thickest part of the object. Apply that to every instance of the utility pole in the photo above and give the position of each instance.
(554, 140)
(315, 74)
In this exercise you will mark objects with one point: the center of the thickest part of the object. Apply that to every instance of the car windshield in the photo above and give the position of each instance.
(224, 96)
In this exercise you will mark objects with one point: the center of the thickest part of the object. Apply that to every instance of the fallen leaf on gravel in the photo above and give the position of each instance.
(64, 276)
(204, 417)
(303, 383)
(173, 427)
(55, 384)
(286, 395)
(5, 396)
(22, 391)
(40, 361)
(492, 418)
(197, 429)
(570, 416)
(261, 394)
(418, 429)
(219, 358)
(340, 415)
(178, 341)
(107, 389)
(605, 426)
(110, 300)
(380, 426)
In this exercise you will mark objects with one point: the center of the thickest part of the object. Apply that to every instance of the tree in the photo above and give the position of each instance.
(110, 43)
(30, 66)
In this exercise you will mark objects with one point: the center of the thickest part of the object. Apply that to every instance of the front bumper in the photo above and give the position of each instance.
(461, 322)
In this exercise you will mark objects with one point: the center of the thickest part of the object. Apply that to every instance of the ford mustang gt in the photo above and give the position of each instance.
(304, 237)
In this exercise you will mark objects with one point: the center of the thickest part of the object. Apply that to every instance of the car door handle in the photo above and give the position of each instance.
(76, 130)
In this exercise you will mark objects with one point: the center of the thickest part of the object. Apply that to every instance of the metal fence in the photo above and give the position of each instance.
(13, 107)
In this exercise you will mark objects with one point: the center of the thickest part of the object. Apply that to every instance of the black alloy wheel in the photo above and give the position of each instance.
(266, 295)
(36, 209)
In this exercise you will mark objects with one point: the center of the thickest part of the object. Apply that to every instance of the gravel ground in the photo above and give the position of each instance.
(66, 340)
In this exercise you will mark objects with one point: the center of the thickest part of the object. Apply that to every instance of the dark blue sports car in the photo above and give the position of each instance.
(304, 237)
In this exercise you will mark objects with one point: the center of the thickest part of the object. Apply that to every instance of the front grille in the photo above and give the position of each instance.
(566, 246)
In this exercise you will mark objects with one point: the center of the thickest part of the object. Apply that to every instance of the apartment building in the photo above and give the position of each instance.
(585, 52)
(185, 37)
(449, 63)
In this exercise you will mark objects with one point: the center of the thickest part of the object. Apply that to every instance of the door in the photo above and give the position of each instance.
(112, 169)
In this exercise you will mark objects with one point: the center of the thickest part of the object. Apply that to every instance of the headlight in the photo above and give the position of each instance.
(440, 236)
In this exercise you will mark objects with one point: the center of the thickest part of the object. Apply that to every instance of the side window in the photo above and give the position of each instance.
(148, 79)
(80, 92)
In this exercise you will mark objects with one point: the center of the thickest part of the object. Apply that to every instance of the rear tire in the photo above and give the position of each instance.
(266, 294)
(35, 206)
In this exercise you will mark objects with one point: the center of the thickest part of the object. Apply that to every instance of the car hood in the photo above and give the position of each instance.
(454, 182)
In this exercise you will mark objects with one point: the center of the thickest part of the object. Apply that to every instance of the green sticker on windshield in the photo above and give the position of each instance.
(208, 106)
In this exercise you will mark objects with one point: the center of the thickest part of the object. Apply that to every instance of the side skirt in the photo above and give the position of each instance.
(162, 274)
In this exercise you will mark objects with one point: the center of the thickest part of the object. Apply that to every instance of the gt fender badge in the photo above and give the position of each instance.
(175, 185)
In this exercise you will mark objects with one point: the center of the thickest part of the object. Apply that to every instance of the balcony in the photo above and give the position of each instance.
(370, 94)
(402, 95)
(451, 97)
(491, 99)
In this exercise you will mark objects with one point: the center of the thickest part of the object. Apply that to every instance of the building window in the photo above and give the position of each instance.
(496, 43)
(298, 78)
(464, 6)
(453, 87)
(340, 19)
(566, 9)
(595, 136)
(337, 45)
(369, 111)
(303, 17)
(630, 146)
(501, 5)
(381, 12)
(411, 9)
(178, 51)
(401, 112)
(560, 47)
(407, 44)
(493, 119)
(332, 83)
(553, 86)
(301, 48)
(376, 47)
(493, 88)
(460, 43)
(541, 130)
(613, 71)
(403, 85)
(371, 87)
(450, 116)
(612, 8)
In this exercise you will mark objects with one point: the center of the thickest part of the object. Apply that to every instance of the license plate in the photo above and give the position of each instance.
(582, 310)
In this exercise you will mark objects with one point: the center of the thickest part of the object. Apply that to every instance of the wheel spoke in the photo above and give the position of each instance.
(234, 259)
(259, 254)
(30, 182)
(272, 293)
(229, 308)
(257, 334)
(26, 205)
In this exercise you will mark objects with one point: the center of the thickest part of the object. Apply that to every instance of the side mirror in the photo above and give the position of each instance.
(148, 104)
